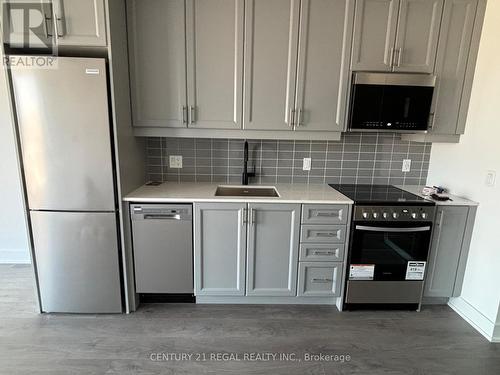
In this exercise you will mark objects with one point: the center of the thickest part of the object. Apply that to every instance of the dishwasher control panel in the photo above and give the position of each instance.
(159, 212)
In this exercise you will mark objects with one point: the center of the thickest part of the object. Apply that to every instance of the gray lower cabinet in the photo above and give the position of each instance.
(396, 35)
(320, 279)
(449, 250)
(220, 236)
(273, 246)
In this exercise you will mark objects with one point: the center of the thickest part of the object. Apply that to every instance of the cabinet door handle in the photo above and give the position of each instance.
(431, 120)
(320, 281)
(400, 54)
(192, 115)
(244, 217)
(184, 115)
(291, 117)
(299, 117)
(46, 26)
(252, 216)
(56, 25)
(391, 58)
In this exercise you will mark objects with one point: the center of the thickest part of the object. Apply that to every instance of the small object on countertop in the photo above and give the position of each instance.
(440, 197)
(428, 190)
(153, 183)
(439, 189)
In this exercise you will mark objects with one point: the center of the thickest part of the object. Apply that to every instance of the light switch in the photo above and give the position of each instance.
(306, 164)
(175, 161)
(406, 165)
(491, 176)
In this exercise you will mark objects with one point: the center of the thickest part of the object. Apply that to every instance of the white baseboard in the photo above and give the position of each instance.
(475, 318)
(14, 256)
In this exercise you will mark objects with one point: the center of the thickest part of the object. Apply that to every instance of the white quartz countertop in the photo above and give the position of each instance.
(205, 192)
(455, 200)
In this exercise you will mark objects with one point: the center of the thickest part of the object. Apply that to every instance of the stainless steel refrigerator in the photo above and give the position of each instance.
(65, 136)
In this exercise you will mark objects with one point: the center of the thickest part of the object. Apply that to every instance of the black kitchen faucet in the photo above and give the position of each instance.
(246, 174)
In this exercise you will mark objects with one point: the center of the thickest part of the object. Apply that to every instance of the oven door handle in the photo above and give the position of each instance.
(396, 230)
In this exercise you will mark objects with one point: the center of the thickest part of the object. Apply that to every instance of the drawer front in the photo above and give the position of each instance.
(320, 279)
(324, 214)
(323, 233)
(321, 252)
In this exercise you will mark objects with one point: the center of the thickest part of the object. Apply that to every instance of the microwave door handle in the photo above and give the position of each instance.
(393, 230)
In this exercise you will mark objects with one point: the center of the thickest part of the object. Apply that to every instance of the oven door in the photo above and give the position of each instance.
(385, 250)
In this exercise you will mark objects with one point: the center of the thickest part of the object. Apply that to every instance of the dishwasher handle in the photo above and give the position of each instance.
(162, 217)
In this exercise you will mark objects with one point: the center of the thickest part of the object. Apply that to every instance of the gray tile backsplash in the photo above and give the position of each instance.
(363, 158)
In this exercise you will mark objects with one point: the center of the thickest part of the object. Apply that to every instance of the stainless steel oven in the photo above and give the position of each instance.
(388, 255)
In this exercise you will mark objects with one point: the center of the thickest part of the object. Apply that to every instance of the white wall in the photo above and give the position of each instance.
(13, 237)
(462, 168)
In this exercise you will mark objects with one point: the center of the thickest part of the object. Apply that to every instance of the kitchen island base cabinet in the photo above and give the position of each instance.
(220, 236)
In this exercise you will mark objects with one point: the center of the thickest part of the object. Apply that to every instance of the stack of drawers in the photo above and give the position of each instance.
(322, 248)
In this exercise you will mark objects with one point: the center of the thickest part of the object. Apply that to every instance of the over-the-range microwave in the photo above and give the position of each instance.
(391, 102)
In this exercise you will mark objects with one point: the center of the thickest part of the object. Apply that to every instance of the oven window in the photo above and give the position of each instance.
(389, 251)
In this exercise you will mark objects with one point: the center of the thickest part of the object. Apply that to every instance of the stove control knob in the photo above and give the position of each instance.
(375, 215)
(365, 215)
(414, 215)
(424, 215)
(385, 215)
(395, 215)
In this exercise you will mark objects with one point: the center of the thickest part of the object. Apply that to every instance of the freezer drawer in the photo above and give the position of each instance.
(77, 261)
(163, 248)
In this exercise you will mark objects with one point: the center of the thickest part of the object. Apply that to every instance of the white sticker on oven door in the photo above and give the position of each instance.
(415, 270)
(361, 271)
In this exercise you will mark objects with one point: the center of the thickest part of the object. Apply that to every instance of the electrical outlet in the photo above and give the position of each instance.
(406, 165)
(491, 176)
(306, 164)
(175, 161)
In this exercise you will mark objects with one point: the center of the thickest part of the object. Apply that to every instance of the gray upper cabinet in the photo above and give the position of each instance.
(215, 63)
(446, 249)
(396, 35)
(323, 64)
(220, 241)
(451, 65)
(270, 63)
(73, 23)
(186, 63)
(417, 35)
(375, 24)
(80, 23)
(157, 53)
(272, 254)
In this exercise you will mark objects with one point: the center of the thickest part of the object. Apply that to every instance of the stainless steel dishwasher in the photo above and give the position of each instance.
(163, 248)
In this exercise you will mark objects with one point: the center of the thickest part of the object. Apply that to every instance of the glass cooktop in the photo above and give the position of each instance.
(380, 194)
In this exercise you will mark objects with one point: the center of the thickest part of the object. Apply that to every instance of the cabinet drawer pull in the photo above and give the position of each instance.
(326, 214)
(323, 252)
(325, 234)
(321, 281)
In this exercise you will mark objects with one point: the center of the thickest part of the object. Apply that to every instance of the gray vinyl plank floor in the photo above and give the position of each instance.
(434, 341)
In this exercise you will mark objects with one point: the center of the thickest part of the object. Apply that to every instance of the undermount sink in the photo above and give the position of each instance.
(246, 191)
